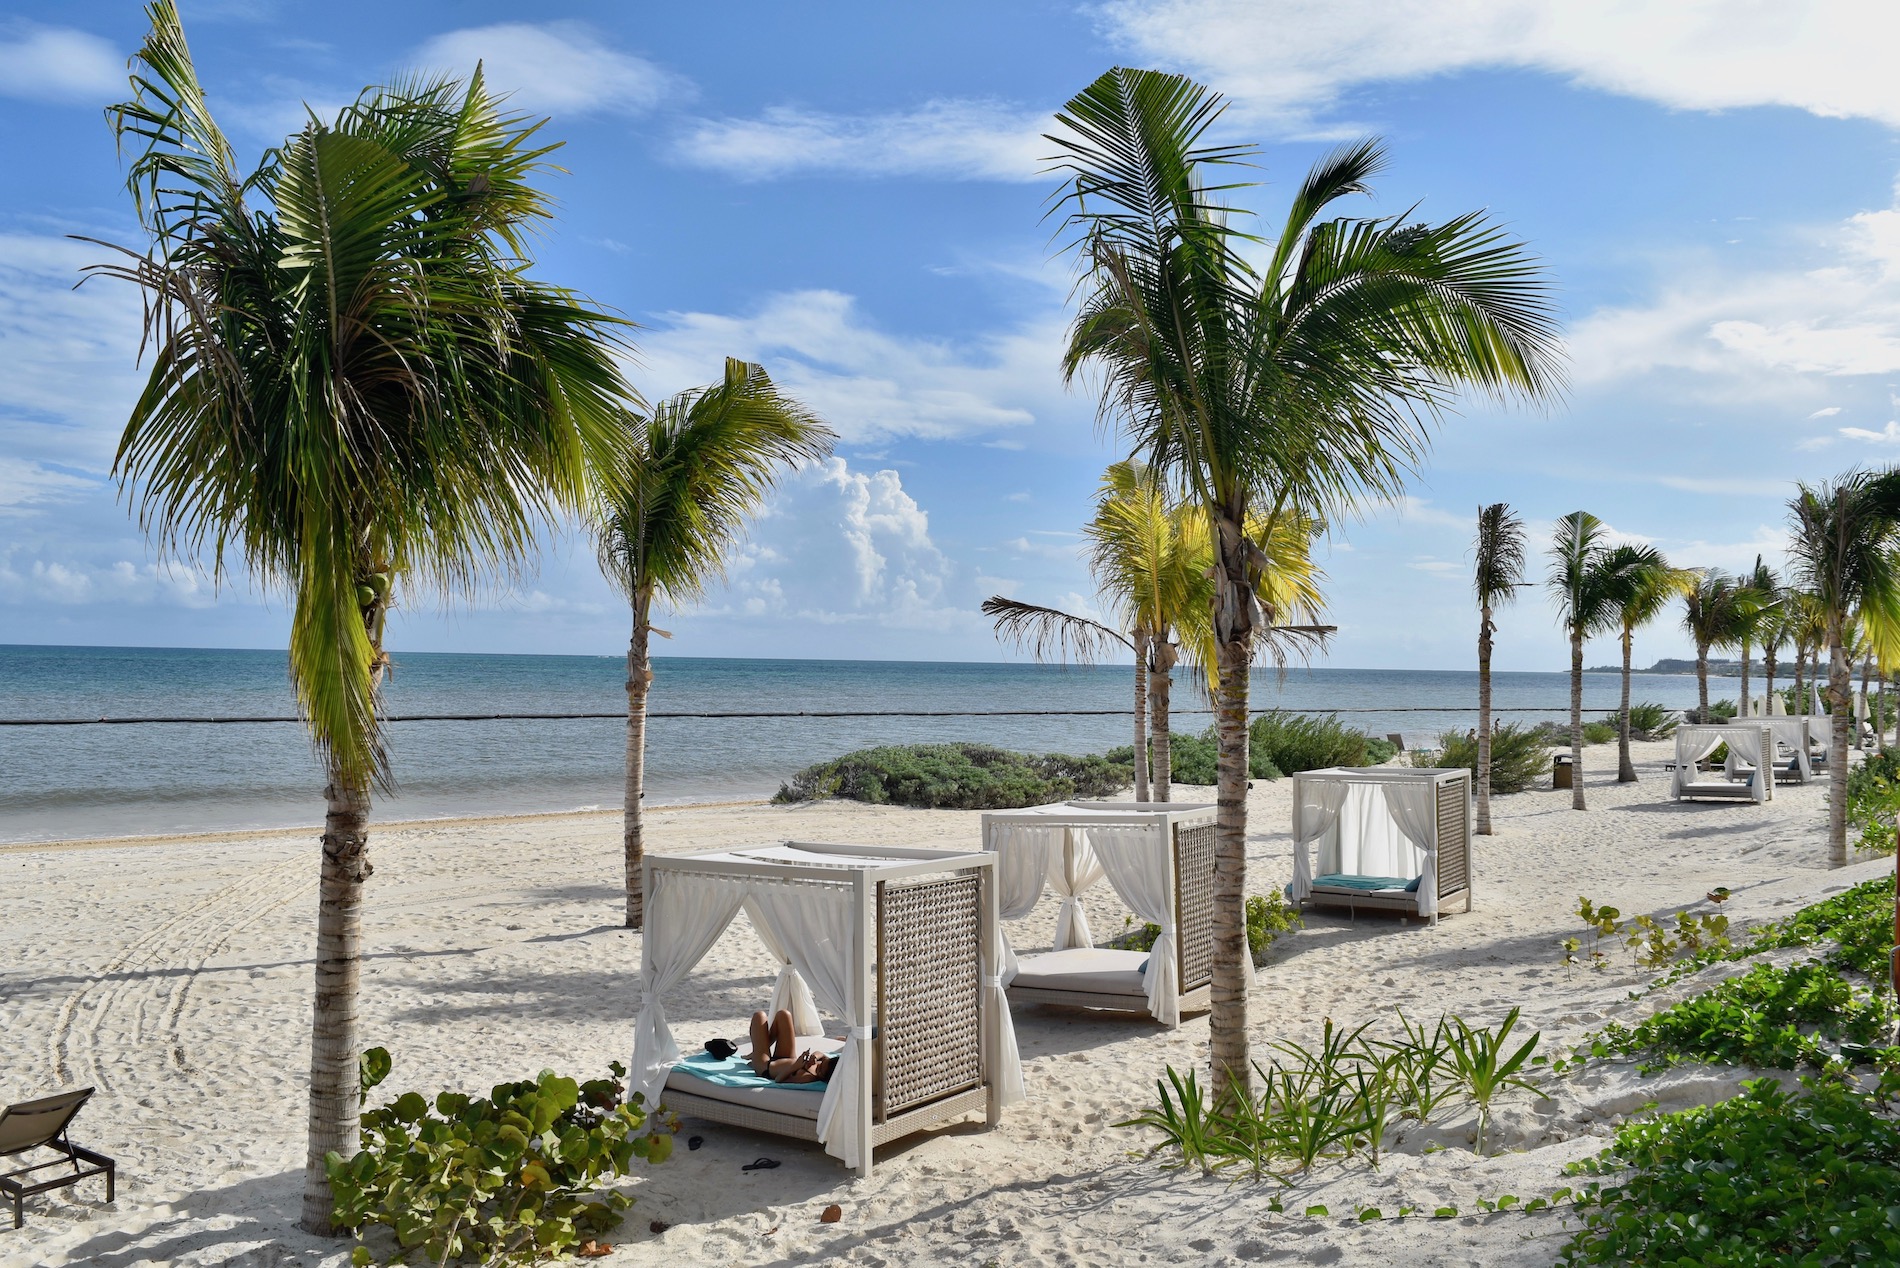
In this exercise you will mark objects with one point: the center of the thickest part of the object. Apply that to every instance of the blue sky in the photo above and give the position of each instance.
(850, 194)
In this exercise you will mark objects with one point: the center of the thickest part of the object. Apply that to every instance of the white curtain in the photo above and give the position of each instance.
(1315, 813)
(1414, 807)
(1368, 841)
(790, 992)
(1007, 1070)
(1745, 746)
(1022, 868)
(697, 910)
(1136, 861)
(817, 924)
(1693, 743)
(1072, 870)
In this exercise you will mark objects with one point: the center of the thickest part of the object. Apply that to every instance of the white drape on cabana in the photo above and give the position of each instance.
(1693, 743)
(1794, 734)
(811, 927)
(1367, 823)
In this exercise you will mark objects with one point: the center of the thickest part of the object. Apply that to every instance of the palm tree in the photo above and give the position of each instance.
(1143, 552)
(1298, 388)
(1807, 629)
(1586, 594)
(1499, 574)
(1715, 612)
(1764, 603)
(1773, 630)
(1642, 584)
(1846, 552)
(1046, 632)
(356, 391)
(681, 486)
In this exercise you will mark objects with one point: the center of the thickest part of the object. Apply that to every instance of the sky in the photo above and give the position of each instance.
(855, 196)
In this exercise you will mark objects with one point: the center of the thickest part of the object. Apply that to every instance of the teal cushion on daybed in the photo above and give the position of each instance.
(734, 1071)
(1336, 881)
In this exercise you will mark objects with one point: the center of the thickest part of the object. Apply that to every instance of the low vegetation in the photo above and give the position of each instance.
(1278, 743)
(1652, 944)
(1649, 721)
(515, 1177)
(1873, 801)
(1269, 917)
(1520, 755)
(1339, 1099)
(957, 777)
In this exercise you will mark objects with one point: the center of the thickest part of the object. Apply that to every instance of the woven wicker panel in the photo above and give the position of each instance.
(1194, 904)
(930, 1024)
(1454, 847)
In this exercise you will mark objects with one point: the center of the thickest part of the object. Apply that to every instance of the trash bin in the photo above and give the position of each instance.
(1560, 771)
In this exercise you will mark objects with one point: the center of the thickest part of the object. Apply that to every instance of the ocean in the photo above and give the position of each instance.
(107, 781)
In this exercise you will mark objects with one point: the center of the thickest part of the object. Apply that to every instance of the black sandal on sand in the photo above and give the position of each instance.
(763, 1164)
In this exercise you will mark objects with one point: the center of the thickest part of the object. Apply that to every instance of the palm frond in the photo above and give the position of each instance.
(1500, 548)
(1048, 633)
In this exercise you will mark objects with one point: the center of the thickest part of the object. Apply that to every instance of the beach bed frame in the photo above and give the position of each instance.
(1747, 773)
(913, 940)
(1441, 859)
(1179, 836)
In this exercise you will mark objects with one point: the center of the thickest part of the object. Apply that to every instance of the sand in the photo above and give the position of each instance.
(174, 976)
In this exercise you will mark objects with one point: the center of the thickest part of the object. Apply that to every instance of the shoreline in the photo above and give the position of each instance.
(62, 844)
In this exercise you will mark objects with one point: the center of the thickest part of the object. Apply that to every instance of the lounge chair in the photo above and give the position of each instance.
(42, 1124)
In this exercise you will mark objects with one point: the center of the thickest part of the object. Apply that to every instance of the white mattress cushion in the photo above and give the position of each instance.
(776, 1098)
(1096, 970)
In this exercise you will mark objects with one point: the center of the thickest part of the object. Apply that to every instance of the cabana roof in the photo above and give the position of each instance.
(815, 861)
(1083, 813)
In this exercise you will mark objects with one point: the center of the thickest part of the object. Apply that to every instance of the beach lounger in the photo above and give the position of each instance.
(33, 1126)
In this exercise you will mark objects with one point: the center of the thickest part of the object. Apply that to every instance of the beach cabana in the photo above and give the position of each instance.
(900, 945)
(1158, 856)
(1387, 838)
(1793, 735)
(1747, 773)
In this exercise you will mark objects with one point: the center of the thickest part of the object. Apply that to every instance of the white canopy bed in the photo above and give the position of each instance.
(1158, 856)
(901, 945)
(1747, 773)
(1793, 735)
(1388, 838)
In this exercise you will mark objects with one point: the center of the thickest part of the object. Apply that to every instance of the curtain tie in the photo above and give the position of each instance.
(861, 1032)
(993, 980)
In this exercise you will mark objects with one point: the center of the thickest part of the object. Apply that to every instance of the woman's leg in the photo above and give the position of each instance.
(761, 1054)
(784, 1042)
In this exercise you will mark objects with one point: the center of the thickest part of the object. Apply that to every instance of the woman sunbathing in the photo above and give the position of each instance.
(775, 1055)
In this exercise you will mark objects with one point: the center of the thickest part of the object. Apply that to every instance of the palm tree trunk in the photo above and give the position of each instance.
(1484, 720)
(1768, 670)
(1702, 680)
(1625, 769)
(1741, 706)
(1142, 655)
(1160, 697)
(1839, 698)
(1237, 583)
(1576, 720)
(334, 1041)
(633, 828)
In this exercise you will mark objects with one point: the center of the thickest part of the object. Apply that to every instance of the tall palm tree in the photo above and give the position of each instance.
(1763, 601)
(1807, 630)
(356, 391)
(1846, 552)
(1586, 595)
(1642, 583)
(1047, 632)
(1773, 631)
(1296, 388)
(1499, 574)
(682, 485)
(1715, 612)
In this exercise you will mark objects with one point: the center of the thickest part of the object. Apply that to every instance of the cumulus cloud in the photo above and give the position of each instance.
(59, 64)
(867, 383)
(559, 68)
(121, 582)
(1291, 61)
(1888, 435)
(1833, 314)
(949, 138)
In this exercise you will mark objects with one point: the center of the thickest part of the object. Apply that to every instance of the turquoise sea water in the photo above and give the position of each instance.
(66, 782)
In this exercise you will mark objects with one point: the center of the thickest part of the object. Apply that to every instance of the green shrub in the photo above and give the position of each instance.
(1294, 742)
(1649, 721)
(1195, 759)
(957, 777)
(1873, 800)
(1268, 918)
(1599, 732)
(514, 1178)
(1769, 1178)
(1519, 756)
(1854, 929)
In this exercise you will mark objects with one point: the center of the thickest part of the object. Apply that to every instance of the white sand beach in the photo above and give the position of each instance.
(174, 976)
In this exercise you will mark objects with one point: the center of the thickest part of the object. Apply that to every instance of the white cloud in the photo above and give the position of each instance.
(1888, 435)
(1417, 510)
(28, 484)
(560, 68)
(1764, 331)
(867, 383)
(1437, 567)
(1290, 61)
(1725, 486)
(71, 583)
(56, 63)
(1829, 412)
(955, 139)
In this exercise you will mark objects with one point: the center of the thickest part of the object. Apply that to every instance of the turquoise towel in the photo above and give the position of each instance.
(735, 1071)
(1362, 882)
